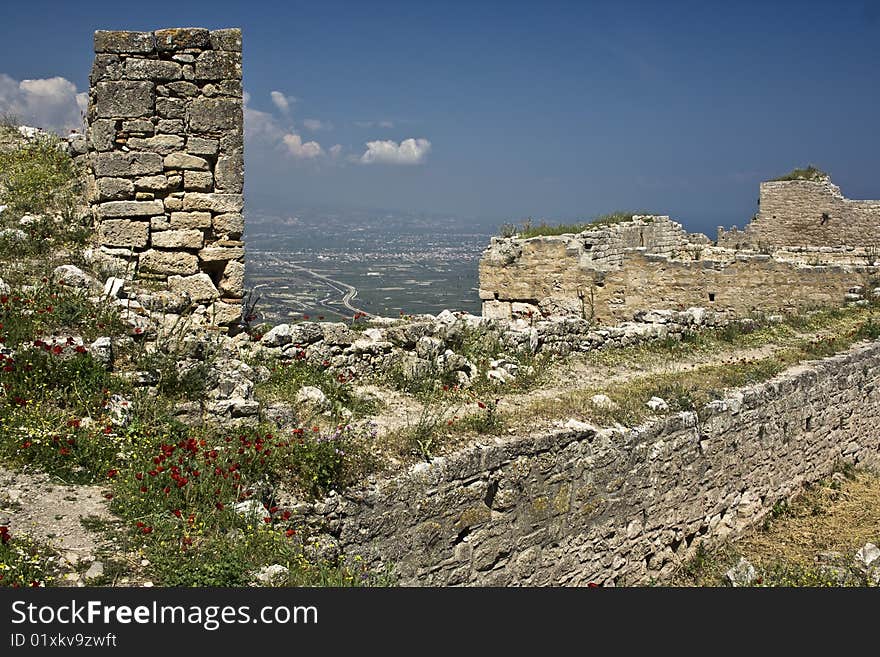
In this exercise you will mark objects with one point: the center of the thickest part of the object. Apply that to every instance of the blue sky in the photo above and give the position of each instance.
(545, 109)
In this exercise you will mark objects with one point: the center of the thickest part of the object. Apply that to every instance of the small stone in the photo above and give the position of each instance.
(102, 350)
(271, 575)
(199, 287)
(657, 405)
(95, 570)
(73, 276)
(867, 555)
(312, 398)
(277, 336)
(602, 401)
(742, 574)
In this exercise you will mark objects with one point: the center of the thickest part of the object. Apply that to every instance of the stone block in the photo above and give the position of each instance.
(224, 313)
(174, 202)
(123, 232)
(182, 38)
(130, 43)
(185, 161)
(129, 209)
(151, 69)
(218, 65)
(170, 108)
(101, 134)
(214, 115)
(230, 224)
(199, 287)
(182, 89)
(190, 220)
(112, 189)
(170, 126)
(198, 181)
(152, 184)
(220, 253)
(231, 141)
(229, 88)
(219, 203)
(232, 283)
(168, 262)
(138, 126)
(226, 39)
(106, 67)
(160, 223)
(229, 173)
(179, 239)
(161, 144)
(124, 99)
(201, 146)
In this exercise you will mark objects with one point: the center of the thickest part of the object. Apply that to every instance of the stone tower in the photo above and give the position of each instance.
(166, 157)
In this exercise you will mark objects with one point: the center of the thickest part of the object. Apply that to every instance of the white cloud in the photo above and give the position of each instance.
(302, 151)
(315, 124)
(386, 124)
(335, 150)
(282, 102)
(409, 151)
(45, 102)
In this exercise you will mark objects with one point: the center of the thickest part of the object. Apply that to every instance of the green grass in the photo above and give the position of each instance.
(692, 389)
(288, 377)
(543, 229)
(808, 173)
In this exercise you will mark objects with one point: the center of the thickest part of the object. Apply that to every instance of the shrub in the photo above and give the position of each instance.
(38, 177)
(544, 229)
(808, 173)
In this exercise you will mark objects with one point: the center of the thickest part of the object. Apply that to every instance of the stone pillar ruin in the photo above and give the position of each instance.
(166, 157)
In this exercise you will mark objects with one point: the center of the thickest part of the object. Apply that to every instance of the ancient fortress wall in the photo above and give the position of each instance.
(807, 213)
(165, 139)
(579, 504)
(555, 276)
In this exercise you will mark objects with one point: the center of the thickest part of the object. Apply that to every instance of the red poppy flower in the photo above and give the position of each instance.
(112, 473)
(290, 533)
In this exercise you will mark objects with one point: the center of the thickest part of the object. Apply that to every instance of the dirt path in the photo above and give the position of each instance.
(48, 511)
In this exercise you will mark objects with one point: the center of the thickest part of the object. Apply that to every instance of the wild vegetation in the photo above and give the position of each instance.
(807, 173)
(812, 540)
(529, 229)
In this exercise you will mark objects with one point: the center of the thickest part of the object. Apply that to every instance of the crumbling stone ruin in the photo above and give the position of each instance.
(808, 213)
(165, 153)
(808, 247)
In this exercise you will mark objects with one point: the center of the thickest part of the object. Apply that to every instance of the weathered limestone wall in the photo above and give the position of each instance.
(550, 276)
(581, 505)
(166, 145)
(807, 213)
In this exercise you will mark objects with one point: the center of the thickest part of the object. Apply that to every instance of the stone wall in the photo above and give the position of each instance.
(548, 279)
(807, 213)
(165, 139)
(580, 504)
